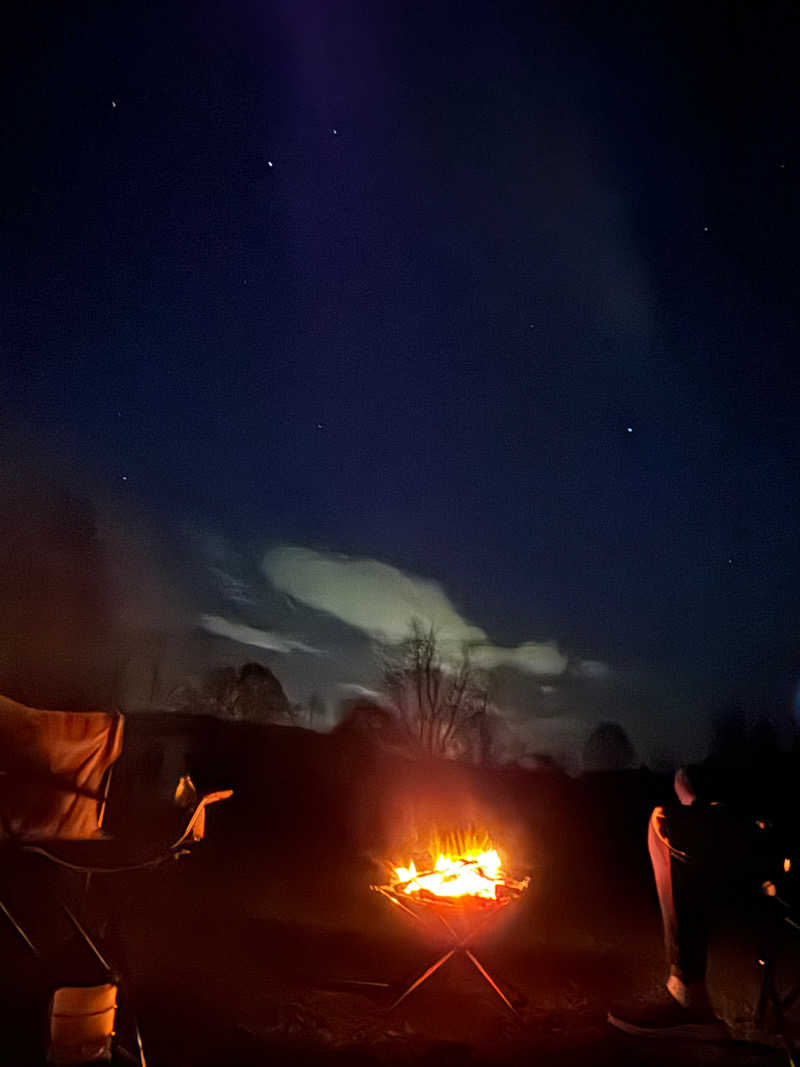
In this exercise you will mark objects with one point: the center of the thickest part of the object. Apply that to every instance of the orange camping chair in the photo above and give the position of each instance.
(55, 776)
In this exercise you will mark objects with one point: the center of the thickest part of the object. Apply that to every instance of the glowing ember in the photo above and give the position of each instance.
(471, 875)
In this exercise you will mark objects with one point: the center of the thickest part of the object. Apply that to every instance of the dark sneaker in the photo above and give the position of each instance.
(668, 1019)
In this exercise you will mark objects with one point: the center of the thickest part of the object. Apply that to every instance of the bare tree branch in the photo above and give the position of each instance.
(437, 703)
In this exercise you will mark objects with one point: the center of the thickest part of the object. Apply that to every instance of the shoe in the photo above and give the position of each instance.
(667, 1018)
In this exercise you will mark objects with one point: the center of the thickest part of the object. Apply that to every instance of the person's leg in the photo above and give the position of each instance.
(680, 884)
(684, 1010)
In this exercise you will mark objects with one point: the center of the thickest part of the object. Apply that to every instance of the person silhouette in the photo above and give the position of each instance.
(691, 846)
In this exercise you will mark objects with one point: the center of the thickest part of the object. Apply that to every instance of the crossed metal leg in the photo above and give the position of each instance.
(459, 944)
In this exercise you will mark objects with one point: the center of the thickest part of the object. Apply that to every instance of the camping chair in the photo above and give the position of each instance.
(55, 776)
(783, 918)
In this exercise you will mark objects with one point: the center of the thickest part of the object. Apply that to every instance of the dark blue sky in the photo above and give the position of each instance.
(503, 294)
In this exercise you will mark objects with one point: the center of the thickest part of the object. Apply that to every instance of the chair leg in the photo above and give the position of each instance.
(139, 1059)
(789, 1000)
(763, 995)
(88, 941)
(140, 1046)
(780, 1021)
(20, 930)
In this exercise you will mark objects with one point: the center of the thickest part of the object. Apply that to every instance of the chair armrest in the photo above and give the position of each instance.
(196, 827)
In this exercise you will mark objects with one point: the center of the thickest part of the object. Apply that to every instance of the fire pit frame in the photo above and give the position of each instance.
(482, 912)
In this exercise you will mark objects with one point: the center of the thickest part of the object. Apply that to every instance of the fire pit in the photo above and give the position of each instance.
(465, 891)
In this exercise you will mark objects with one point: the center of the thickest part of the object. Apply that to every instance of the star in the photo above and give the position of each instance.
(269, 162)
(124, 477)
(629, 429)
(113, 103)
(334, 132)
(705, 229)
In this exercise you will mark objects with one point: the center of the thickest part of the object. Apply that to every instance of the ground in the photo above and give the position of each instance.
(281, 984)
(256, 948)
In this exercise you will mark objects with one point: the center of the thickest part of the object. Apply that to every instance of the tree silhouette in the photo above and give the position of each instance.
(261, 696)
(439, 704)
(253, 694)
(608, 748)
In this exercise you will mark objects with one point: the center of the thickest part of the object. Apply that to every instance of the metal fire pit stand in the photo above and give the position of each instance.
(422, 910)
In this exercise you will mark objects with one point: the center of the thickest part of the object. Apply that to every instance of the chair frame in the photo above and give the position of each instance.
(194, 832)
(769, 994)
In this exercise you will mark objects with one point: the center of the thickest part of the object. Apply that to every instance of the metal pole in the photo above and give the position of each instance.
(393, 900)
(482, 970)
(459, 946)
(19, 930)
(423, 978)
(102, 960)
(104, 802)
(763, 997)
(780, 1020)
(142, 1060)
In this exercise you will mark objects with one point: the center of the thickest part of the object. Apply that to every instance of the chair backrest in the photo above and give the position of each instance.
(54, 771)
(82, 1023)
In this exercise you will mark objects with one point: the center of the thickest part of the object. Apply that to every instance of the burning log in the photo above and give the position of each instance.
(475, 876)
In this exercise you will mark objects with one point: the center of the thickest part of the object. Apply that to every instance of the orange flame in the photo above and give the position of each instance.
(475, 874)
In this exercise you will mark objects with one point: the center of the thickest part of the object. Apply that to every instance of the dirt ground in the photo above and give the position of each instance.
(287, 985)
(267, 945)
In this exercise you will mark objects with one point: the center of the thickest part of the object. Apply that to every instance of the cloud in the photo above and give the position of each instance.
(593, 669)
(370, 596)
(531, 657)
(249, 635)
(351, 691)
(232, 588)
(381, 600)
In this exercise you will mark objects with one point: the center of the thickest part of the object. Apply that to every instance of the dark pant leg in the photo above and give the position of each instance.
(682, 886)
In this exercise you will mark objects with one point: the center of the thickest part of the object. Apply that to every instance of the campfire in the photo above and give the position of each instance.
(476, 875)
(467, 869)
(463, 889)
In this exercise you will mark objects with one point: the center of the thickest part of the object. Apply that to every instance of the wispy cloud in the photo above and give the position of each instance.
(250, 635)
(593, 669)
(531, 657)
(232, 588)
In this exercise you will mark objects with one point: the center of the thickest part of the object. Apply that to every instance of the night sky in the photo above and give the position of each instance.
(503, 295)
